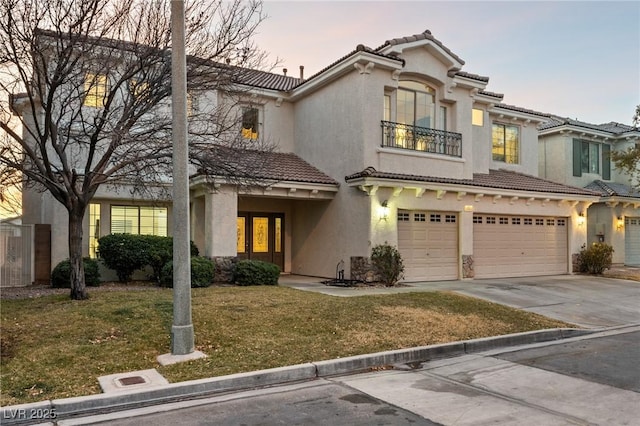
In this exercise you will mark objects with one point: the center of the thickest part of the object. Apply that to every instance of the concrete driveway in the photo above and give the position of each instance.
(586, 301)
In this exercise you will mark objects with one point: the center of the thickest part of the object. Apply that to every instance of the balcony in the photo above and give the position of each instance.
(421, 139)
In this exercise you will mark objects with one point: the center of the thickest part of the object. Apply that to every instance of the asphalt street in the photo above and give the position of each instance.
(589, 380)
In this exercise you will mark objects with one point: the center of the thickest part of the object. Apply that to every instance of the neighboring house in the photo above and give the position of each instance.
(577, 153)
(395, 144)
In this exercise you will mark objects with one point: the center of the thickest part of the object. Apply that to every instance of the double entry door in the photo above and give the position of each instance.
(261, 237)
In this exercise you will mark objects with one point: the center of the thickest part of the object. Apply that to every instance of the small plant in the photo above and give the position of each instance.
(387, 264)
(595, 259)
(61, 274)
(202, 273)
(256, 272)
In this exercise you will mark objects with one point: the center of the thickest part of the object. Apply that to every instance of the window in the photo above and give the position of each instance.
(491, 219)
(94, 229)
(477, 117)
(591, 157)
(504, 221)
(96, 87)
(477, 219)
(528, 221)
(139, 220)
(403, 217)
(139, 89)
(193, 104)
(434, 218)
(442, 119)
(387, 108)
(415, 104)
(515, 221)
(419, 217)
(250, 123)
(450, 218)
(506, 141)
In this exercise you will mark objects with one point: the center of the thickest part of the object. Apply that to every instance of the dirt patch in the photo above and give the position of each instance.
(33, 291)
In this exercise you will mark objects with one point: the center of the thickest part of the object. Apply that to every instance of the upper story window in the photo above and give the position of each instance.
(139, 89)
(591, 157)
(250, 123)
(415, 104)
(139, 220)
(505, 143)
(96, 87)
(193, 104)
(477, 117)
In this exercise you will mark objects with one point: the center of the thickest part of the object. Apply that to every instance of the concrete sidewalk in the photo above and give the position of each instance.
(75, 411)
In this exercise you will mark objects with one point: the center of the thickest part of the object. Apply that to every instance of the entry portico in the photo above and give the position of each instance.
(255, 221)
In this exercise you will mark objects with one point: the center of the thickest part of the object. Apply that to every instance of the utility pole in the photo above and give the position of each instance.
(182, 335)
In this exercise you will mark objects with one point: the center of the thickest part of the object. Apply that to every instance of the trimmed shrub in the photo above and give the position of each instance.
(124, 253)
(595, 259)
(256, 272)
(387, 264)
(160, 251)
(202, 273)
(61, 274)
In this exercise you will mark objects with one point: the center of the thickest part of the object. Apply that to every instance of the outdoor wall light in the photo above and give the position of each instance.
(620, 223)
(384, 210)
(581, 218)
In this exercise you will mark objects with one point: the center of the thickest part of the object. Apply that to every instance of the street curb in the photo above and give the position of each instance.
(69, 408)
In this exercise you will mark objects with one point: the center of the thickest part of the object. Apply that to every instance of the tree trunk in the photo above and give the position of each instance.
(78, 287)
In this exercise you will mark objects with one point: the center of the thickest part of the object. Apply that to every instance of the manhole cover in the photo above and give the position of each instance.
(133, 380)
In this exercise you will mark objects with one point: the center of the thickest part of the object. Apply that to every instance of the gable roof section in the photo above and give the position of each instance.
(426, 35)
(612, 189)
(496, 179)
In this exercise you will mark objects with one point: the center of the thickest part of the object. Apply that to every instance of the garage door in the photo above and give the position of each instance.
(519, 246)
(428, 243)
(632, 241)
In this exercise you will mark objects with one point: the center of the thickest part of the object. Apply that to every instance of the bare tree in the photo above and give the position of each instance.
(96, 86)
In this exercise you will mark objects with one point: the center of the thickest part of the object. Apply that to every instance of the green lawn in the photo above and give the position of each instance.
(53, 347)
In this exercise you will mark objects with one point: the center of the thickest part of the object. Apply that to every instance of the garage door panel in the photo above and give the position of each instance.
(632, 241)
(511, 246)
(428, 243)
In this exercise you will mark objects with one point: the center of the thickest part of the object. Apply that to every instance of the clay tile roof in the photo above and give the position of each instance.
(290, 167)
(262, 165)
(492, 94)
(426, 35)
(612, 189)
(520, 109)
(267, 80)
(497, 179)
(611, 127)
(472, 76)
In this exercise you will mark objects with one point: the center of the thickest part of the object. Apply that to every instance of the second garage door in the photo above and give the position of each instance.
(428, 243)
(519, 246)
(632, 241)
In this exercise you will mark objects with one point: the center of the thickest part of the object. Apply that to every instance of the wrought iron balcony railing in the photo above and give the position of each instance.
(404, 136)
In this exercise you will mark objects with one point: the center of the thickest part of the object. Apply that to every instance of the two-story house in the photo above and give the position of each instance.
(578, 153)
(391, 144)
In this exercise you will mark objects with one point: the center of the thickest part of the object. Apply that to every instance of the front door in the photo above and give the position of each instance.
(260, 237)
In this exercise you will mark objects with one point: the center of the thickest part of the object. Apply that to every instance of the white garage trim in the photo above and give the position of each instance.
(519, 246)
(428, 243)
(632, 241)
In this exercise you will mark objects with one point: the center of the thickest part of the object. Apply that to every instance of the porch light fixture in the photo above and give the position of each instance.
(620, 223)
(581, 218)
(384, 210)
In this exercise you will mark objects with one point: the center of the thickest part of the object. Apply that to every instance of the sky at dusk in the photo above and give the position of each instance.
(574, 59)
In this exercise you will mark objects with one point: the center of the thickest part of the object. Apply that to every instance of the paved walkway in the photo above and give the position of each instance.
(583, 300)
